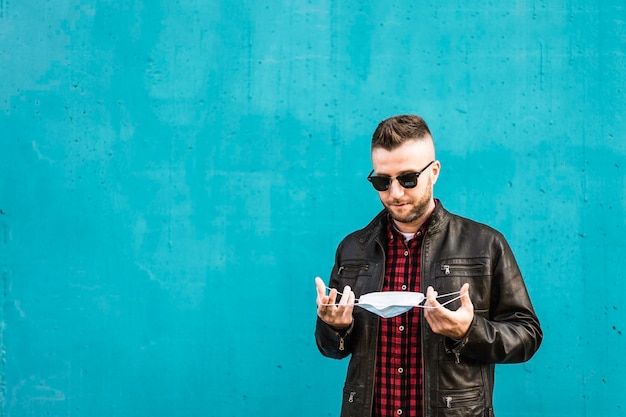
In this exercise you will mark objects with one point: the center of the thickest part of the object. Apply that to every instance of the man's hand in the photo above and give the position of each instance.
(454, 324)
(338, 316)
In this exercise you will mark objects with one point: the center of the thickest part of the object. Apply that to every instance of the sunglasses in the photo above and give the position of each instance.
(408, 180)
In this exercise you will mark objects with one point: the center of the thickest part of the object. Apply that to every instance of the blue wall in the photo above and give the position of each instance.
(174, 175)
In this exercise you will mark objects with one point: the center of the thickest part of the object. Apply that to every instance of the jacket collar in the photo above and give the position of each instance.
(440, 217)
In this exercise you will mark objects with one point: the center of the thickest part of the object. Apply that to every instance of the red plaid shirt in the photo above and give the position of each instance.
(398, 386)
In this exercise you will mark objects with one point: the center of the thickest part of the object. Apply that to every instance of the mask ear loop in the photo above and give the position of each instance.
(421, 306)
(447, 302)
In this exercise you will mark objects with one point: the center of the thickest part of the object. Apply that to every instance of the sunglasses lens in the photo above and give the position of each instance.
(408, 180)
(380, 183)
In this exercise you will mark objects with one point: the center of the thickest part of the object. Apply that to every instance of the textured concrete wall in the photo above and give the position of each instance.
(174, 174)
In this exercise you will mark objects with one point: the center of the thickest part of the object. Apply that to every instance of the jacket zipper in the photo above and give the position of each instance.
(426, 382)
(352, 268)
(446, 268)
(380, 288)
(461, 399)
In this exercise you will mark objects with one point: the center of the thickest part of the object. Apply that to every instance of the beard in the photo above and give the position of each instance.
(419, 209)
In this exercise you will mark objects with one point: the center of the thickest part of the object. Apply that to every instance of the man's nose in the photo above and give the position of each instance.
(395, 189)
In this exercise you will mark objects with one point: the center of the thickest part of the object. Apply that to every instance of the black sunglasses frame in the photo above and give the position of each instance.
(408, 180)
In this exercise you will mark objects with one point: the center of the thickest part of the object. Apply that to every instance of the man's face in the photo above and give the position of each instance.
(409, 207)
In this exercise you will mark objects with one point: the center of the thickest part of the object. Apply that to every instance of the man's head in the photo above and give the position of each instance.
(395, 131)
(403, 146)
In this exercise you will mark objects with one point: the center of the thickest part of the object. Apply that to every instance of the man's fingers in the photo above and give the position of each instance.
(465, 289)
(465, 299)
(351, 298)
(322, 298)
(431, 297)
(332, 296)
(345, 296)
(321, 287)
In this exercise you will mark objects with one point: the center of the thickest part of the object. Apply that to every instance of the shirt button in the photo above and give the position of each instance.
(399, 412)
(400, 370)
(401, 328)
(406, 253)
(419, 233)
(404, 288)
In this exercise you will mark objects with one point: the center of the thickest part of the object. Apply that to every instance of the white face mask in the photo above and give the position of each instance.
(389, 304)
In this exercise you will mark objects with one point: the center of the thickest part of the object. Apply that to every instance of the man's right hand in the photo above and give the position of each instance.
(338, 315)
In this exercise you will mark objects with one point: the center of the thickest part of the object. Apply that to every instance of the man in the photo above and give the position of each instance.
(437, 360)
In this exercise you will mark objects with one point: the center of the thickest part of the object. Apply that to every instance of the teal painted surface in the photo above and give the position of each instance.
(173, 175)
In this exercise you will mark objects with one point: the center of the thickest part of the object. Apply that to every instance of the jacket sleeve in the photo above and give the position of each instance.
(510, 332)
(331, 342)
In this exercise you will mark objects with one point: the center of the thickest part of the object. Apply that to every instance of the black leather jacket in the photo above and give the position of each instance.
(458, 375)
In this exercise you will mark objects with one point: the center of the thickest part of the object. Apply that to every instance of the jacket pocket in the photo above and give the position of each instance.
(355, 273)
(462, 267)
(352, 405)
(468, 402)
(452, 273)
(351, 270)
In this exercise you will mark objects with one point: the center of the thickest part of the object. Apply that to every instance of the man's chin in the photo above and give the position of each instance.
(404, 219)
(402, 216)
(407, 216)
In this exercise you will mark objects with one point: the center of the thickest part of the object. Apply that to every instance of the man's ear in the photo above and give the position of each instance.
(436, 170)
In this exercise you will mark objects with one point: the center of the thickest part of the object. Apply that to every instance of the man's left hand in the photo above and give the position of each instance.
(453, 324)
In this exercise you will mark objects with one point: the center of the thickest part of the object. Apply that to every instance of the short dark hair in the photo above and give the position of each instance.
(395, 131)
